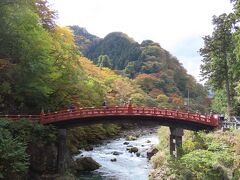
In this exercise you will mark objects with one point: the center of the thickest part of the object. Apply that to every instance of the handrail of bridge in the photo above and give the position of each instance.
(65, 115)
(18, 117)
(78, 113)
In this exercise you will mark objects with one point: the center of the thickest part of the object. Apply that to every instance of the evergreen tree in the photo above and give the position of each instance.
(218, 57)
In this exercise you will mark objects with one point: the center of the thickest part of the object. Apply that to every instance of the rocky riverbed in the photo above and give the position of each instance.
(124, 157)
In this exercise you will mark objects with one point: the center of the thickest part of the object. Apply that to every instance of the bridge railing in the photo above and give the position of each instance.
(19, 117)
(67, 114)
(111, 111)
(196, 117)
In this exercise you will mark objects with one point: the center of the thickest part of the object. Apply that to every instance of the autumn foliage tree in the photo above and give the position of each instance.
(39, 60)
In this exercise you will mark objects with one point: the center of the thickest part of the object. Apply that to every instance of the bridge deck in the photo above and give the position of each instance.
(83, 115)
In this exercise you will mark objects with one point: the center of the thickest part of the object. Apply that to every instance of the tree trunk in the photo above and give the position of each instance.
(227, 86)
(229, 106)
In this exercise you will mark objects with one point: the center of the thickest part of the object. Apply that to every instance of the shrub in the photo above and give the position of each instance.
(15, 138)
(13, 156)
(158, 159)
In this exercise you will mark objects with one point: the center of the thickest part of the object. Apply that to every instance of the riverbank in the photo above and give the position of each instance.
(214, 155)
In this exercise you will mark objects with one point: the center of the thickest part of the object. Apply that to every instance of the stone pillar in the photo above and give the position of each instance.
(62, 150)
(178, 146)
(171, 145)
(176, 141)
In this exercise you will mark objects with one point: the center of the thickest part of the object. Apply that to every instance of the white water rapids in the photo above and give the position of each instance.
(128, 166)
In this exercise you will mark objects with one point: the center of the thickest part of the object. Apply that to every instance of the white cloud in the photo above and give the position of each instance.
(168, 22)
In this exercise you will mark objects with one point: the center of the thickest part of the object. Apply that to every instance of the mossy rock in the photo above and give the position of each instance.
(131, 138)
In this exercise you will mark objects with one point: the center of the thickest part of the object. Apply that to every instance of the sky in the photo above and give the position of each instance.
(177, 25)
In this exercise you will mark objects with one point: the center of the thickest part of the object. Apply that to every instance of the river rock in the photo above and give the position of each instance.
(88, 148)
(86, 164)
(138, 154)
(142, 155)
(126, 143)
(133, 149)
(116, 153)
(151, 152)
(131, 138)
(129, 147)
(148, 141)
(114, 160)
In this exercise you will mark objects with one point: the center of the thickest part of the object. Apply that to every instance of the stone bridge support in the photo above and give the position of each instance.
(62, 151)
(175, 141)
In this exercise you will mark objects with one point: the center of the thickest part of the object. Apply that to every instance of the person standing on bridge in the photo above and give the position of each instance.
(104, 104)
(71, 108)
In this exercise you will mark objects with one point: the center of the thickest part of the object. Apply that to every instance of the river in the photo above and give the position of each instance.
(127, 166)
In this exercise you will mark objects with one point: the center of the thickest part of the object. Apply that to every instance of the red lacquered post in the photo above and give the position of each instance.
(130, 109)
(41, 120)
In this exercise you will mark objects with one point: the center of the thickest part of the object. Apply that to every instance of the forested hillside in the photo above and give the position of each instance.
(83, 38)
(153, 69)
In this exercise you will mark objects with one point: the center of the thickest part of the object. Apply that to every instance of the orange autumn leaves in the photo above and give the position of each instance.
(119, 89)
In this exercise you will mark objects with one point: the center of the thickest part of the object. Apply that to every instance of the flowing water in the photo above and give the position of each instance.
(128, 166)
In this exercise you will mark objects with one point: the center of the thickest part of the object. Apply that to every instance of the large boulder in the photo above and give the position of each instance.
(86, 164)
(152, 152)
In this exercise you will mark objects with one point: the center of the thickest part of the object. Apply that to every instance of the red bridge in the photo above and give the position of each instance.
(176, 120)
(87, 116)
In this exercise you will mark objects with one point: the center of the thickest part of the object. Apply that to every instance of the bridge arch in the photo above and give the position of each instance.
(160, 116)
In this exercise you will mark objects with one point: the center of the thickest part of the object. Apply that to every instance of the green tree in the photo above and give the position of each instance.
(162, 98)
(104, 61)
(39, 61)
(25, 46)
(13, 156)
(218, 58)
(219, 103)
(130, 69)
